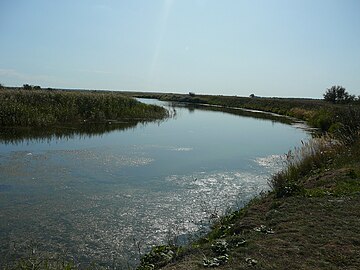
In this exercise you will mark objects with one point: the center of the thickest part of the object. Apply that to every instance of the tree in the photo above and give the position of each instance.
(1, 86)
(338, 94)
(27, 87)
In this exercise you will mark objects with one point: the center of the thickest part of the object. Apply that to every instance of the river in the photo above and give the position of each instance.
(106, 197)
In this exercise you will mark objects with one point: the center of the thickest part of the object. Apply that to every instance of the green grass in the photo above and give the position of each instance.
(44, 108)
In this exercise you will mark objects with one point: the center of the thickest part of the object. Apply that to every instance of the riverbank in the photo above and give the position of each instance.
(310, 219)
(317, 113)
(313, 224)
(47, 108)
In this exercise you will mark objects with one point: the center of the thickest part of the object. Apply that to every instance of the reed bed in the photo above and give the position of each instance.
(42, 108)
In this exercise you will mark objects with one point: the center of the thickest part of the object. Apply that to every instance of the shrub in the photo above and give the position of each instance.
(338, 94)
(300, 113)
(27, 87)
(349, 123)
(322, 119)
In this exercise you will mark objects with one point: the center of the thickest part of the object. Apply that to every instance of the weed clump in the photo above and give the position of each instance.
(157, 257)
(220, 250)
(313, 157)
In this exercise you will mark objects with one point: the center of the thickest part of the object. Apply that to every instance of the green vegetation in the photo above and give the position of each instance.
(31, 87)
(44, 108)
(309, 220)
(320, 114)
(338, 94)
(158, 256)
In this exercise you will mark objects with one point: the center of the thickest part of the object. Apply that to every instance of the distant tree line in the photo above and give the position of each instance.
(338, 94)
(31, 87)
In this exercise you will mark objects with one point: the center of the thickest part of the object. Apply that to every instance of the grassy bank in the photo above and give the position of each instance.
(317, 113)
(45, 108)
(309, 220)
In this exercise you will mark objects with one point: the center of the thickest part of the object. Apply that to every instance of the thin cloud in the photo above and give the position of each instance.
(103, 72)
(19, 76)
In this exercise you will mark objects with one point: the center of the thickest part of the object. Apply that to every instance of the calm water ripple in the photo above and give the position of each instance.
(101, 198)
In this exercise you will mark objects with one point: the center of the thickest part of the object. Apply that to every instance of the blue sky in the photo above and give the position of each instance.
(229, 47)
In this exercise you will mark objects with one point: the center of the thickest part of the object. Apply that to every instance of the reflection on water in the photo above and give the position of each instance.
(239, 111)
(21, 135)
(99, 197)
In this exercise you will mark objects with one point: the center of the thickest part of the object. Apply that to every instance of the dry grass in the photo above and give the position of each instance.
(308, 233)
(312, 157)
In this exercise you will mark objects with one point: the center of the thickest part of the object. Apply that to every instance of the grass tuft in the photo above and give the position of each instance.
(314, 156)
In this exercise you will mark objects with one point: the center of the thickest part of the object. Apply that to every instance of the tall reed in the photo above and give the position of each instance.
(314, 155)
(40, 108)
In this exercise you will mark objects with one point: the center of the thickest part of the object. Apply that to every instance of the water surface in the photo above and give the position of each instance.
(98, 197)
